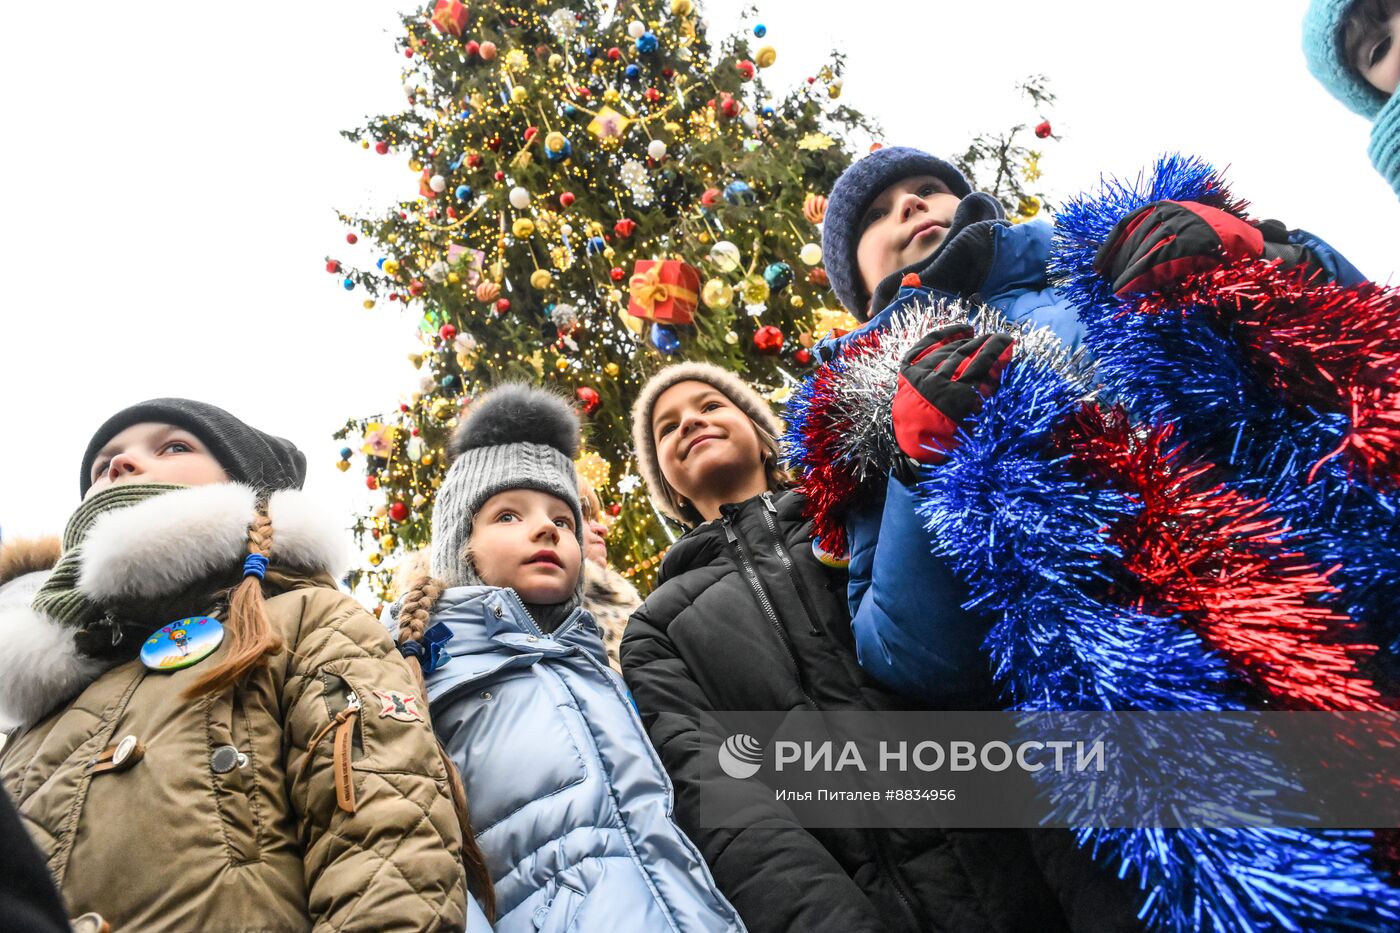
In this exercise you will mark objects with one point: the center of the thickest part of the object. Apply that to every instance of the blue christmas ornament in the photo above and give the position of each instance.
(181, 644)
(379, 263)
(647, 43)
(768, 112)
(632, 71)
(778, 275)
(595, 245)
(565, 150)
(739, 192)
(665, 339)
(447, 381)
(348, 284)
(345, 453)
(463, 192)
(760, 30)
(570, 110)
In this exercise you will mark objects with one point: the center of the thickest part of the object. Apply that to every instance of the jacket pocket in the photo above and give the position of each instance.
(232, 774)
(563, 908)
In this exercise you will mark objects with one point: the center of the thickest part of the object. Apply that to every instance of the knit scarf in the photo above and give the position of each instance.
(1385, 142)
(99, 633)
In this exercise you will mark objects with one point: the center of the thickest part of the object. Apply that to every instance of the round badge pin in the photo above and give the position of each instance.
(180, 644)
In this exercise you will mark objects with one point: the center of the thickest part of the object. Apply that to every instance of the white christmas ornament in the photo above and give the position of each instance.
(438, 183)
(656, 149)
(811, 254)
(636, 28)
(519, 198)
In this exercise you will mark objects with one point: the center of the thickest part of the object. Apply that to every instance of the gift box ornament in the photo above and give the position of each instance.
(450, 16)
(664, 291)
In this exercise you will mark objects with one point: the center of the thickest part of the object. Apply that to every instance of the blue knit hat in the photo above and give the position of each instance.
(1322, 45)
(1385, 142)
(851, 197)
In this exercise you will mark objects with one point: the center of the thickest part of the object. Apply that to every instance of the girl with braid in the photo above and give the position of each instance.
(572, 805)
(271, 767)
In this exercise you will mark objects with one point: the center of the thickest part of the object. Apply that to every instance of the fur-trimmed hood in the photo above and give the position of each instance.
(151, 551)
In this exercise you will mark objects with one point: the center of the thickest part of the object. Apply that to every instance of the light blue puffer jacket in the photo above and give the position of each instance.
(569, 802)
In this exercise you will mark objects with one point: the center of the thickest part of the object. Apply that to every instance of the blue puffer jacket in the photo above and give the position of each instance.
(911, 630)
(570, 804)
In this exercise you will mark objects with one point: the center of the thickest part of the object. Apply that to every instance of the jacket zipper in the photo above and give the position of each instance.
(882, 853)
(768, 512)
(766, 606)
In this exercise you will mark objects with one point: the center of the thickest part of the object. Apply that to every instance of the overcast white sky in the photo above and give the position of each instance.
(171, 173)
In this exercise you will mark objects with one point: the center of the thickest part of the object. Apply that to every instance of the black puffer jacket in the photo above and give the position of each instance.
(713, 637)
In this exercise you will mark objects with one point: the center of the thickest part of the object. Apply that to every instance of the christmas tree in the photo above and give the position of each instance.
(600, 192)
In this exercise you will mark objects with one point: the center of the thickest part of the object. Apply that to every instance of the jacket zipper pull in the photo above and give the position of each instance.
(344, 778)
(768, 503)
(729, 534)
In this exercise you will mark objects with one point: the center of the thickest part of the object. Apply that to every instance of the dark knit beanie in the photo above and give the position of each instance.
(851, 197)
(246, 454)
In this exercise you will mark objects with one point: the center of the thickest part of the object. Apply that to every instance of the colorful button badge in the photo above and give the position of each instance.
(180, 644)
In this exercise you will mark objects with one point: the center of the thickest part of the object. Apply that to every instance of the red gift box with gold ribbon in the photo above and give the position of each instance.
(450, 16)
(664, 291)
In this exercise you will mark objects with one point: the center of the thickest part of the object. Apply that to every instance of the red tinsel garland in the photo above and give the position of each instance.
(1317, 343)
(1213, 555)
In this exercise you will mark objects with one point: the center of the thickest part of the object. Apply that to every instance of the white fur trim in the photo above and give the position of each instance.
(307, 534)
(39, 666)
(157, 546)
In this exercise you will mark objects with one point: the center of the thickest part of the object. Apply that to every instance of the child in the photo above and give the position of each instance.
(573, 805)
(254, 780)
(745, 617)
(1351, 48)
(903, 227)
(608, 596)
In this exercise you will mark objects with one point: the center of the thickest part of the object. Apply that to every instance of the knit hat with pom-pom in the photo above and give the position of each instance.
(513, 437)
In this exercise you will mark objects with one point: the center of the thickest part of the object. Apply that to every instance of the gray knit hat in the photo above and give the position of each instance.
(247, 455)
(663, 496)
(851, 196)
(515, 436)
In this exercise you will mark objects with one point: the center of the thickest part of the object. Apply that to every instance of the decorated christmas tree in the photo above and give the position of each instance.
(599, 192)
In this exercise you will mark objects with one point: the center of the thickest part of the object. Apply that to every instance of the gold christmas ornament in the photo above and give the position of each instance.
(766, 56)
(555, 141)
(342, 465)
(814, 208)
(681, 7)
(754, 289)
(611, 370)
(522, 227)
(731, 338)
(391, 267)
(516, 60)
(797, 301)
(519, 95)
(375, 560)
(540, 279)
(717, 294)
(561, 364)
(368, 303)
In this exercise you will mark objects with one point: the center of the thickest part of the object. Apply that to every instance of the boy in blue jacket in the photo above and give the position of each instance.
(904, 227)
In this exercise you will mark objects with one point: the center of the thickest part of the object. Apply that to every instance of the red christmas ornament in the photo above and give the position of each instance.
(447, 332)
(408, 53)
(494, 143)
(381, 147)
(375, 533)
(625, 227)
(474, 159)
(351, 239)
(472, 47)
(668, 73)
(531, 132)
(372, 482)
(332, 266)
(566, 199)
(614, 54)
(728, 106)
(499, 176)
(616, 273)
(615, 509)
(502, 305)
(818, 277)
(710, 198)
(403, 408)
(452, 213)
(1042, 129)
(588, 398)
(653, 95)
(768, 339)
(393, 296)
(398, 511)
(746, 69)
(415, 288)
(415, 432)
(802, 357)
